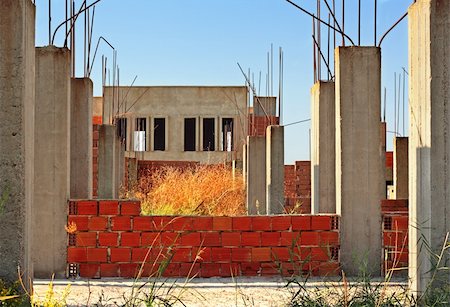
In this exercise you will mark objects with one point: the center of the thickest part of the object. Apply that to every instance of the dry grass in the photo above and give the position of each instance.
(200, 190)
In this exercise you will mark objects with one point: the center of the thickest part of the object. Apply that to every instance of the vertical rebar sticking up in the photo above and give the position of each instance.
(328, 48)
(49, 22)
(72, 32)
(343, 22)
(359, 22)
(395, 103)
(259, 84)
(398, 105)
(403, 108)
(85, 41)
(66, 17)
(314, 50)
(279, 83)
(334, 25)
(268, 75)
(271, 69)
(375, 24)
(319, 39)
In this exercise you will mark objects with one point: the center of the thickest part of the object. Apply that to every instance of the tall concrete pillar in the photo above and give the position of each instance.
(401, 167)
(244, 163)
(17, 89)
(275, 169)
(429, 146)
(359, 169)
(132, 173)
(81, 139)
(256, 175)
(108, 181)
(51, 161)
(323, 150)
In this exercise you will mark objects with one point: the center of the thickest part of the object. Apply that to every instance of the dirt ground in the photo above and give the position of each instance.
(197, 292)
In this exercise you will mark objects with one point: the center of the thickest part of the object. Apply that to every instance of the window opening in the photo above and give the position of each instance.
(122, 131)
(159, 132)
(139, 134)
(209, 134)
(189, 134)
(227, 134)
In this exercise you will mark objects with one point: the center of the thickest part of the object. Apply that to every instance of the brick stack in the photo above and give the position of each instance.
(95, 136)
(113, 240)
(298, 187)
(395, 235)
(258, 124)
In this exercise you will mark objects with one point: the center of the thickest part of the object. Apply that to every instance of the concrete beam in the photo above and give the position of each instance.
(429, 148)
(401, 167)
(81, 139)
(17, 89)
(51, 161)
(275, 169)
(360, 178)
(256, 175)
(323, 148)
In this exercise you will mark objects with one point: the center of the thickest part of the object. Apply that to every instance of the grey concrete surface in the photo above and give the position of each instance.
(360, 178)
(51, 161)
(275, 169)
(323, 148)
(401, 167)
(429, 148)
(17, 90)
(256, 175)
(108, 163)
(264, 106)
(81, 138)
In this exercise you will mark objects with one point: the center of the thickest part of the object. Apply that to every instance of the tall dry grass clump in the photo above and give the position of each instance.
(199, 190)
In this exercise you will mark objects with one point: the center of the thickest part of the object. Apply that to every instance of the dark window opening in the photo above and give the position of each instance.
(227, 134)
(209, 134)
(189, 134)
(122, 131)
(140, 135)
(159, 132)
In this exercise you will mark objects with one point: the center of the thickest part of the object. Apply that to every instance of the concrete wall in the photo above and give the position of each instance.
(108, 163)
(401, 167)
(256, 175)
(51, 160)
(263, 105)
(81, 139)
(429, 149)
(323, 150)
(275, 170)
(176, 103)
(17, 89)
(359, 170)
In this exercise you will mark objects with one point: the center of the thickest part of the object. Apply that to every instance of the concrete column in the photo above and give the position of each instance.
(256, 175)
(401, 167)
(17, 89)
(275, 169)
(108, 187)
(359, 170)
(81, 139)
(429, 146)
(323, 171)
(244, 163)
(51, 161)
(132, 173)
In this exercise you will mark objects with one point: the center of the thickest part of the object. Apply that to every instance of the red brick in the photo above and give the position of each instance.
(76, 254)
(328, 238)
(270, 239)
(141, 254)
(301, 223)
(130, 239)
(309, 238)
(109, 270)
(261, 254)
(98, 223)
(181, 254)
(90, 270)
(210, 270)
(191, 239)
(329, 269)
(150, 239)
(170, 239)
(121, 223)
(108, 239)
(230, 269)
(400, 223)
(143, 223)
(86, 239)
(202, 254)
(220, 254)
(280, 254)
(172, 270)
(204, 223)
(120, 254)
(222, 223)
(251, 239)
(231, 239)
(321, 222)
(87, 207)
(97, 254)
(319, 254)
(250, 268)
(130, 208)
(261, 223)
(162, 223)
(190, 270)
(289, 238)
(80, 221)
(281, 222)
(129, 270)
(108, 207)
(210, 239)
(241, 254)
(182, 223)
(242, 223)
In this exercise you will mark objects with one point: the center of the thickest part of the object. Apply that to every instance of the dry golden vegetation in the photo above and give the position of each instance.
(199, 190)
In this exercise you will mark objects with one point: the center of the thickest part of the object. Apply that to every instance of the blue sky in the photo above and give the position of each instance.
(199, 42)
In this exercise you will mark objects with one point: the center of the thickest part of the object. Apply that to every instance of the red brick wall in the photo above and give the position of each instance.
(113, 240)
(257, 124)
(95, 131)
(297, 182)
(395, 234)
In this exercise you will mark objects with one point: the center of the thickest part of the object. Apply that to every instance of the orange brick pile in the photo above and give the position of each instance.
(113, 240)
(257, 124)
